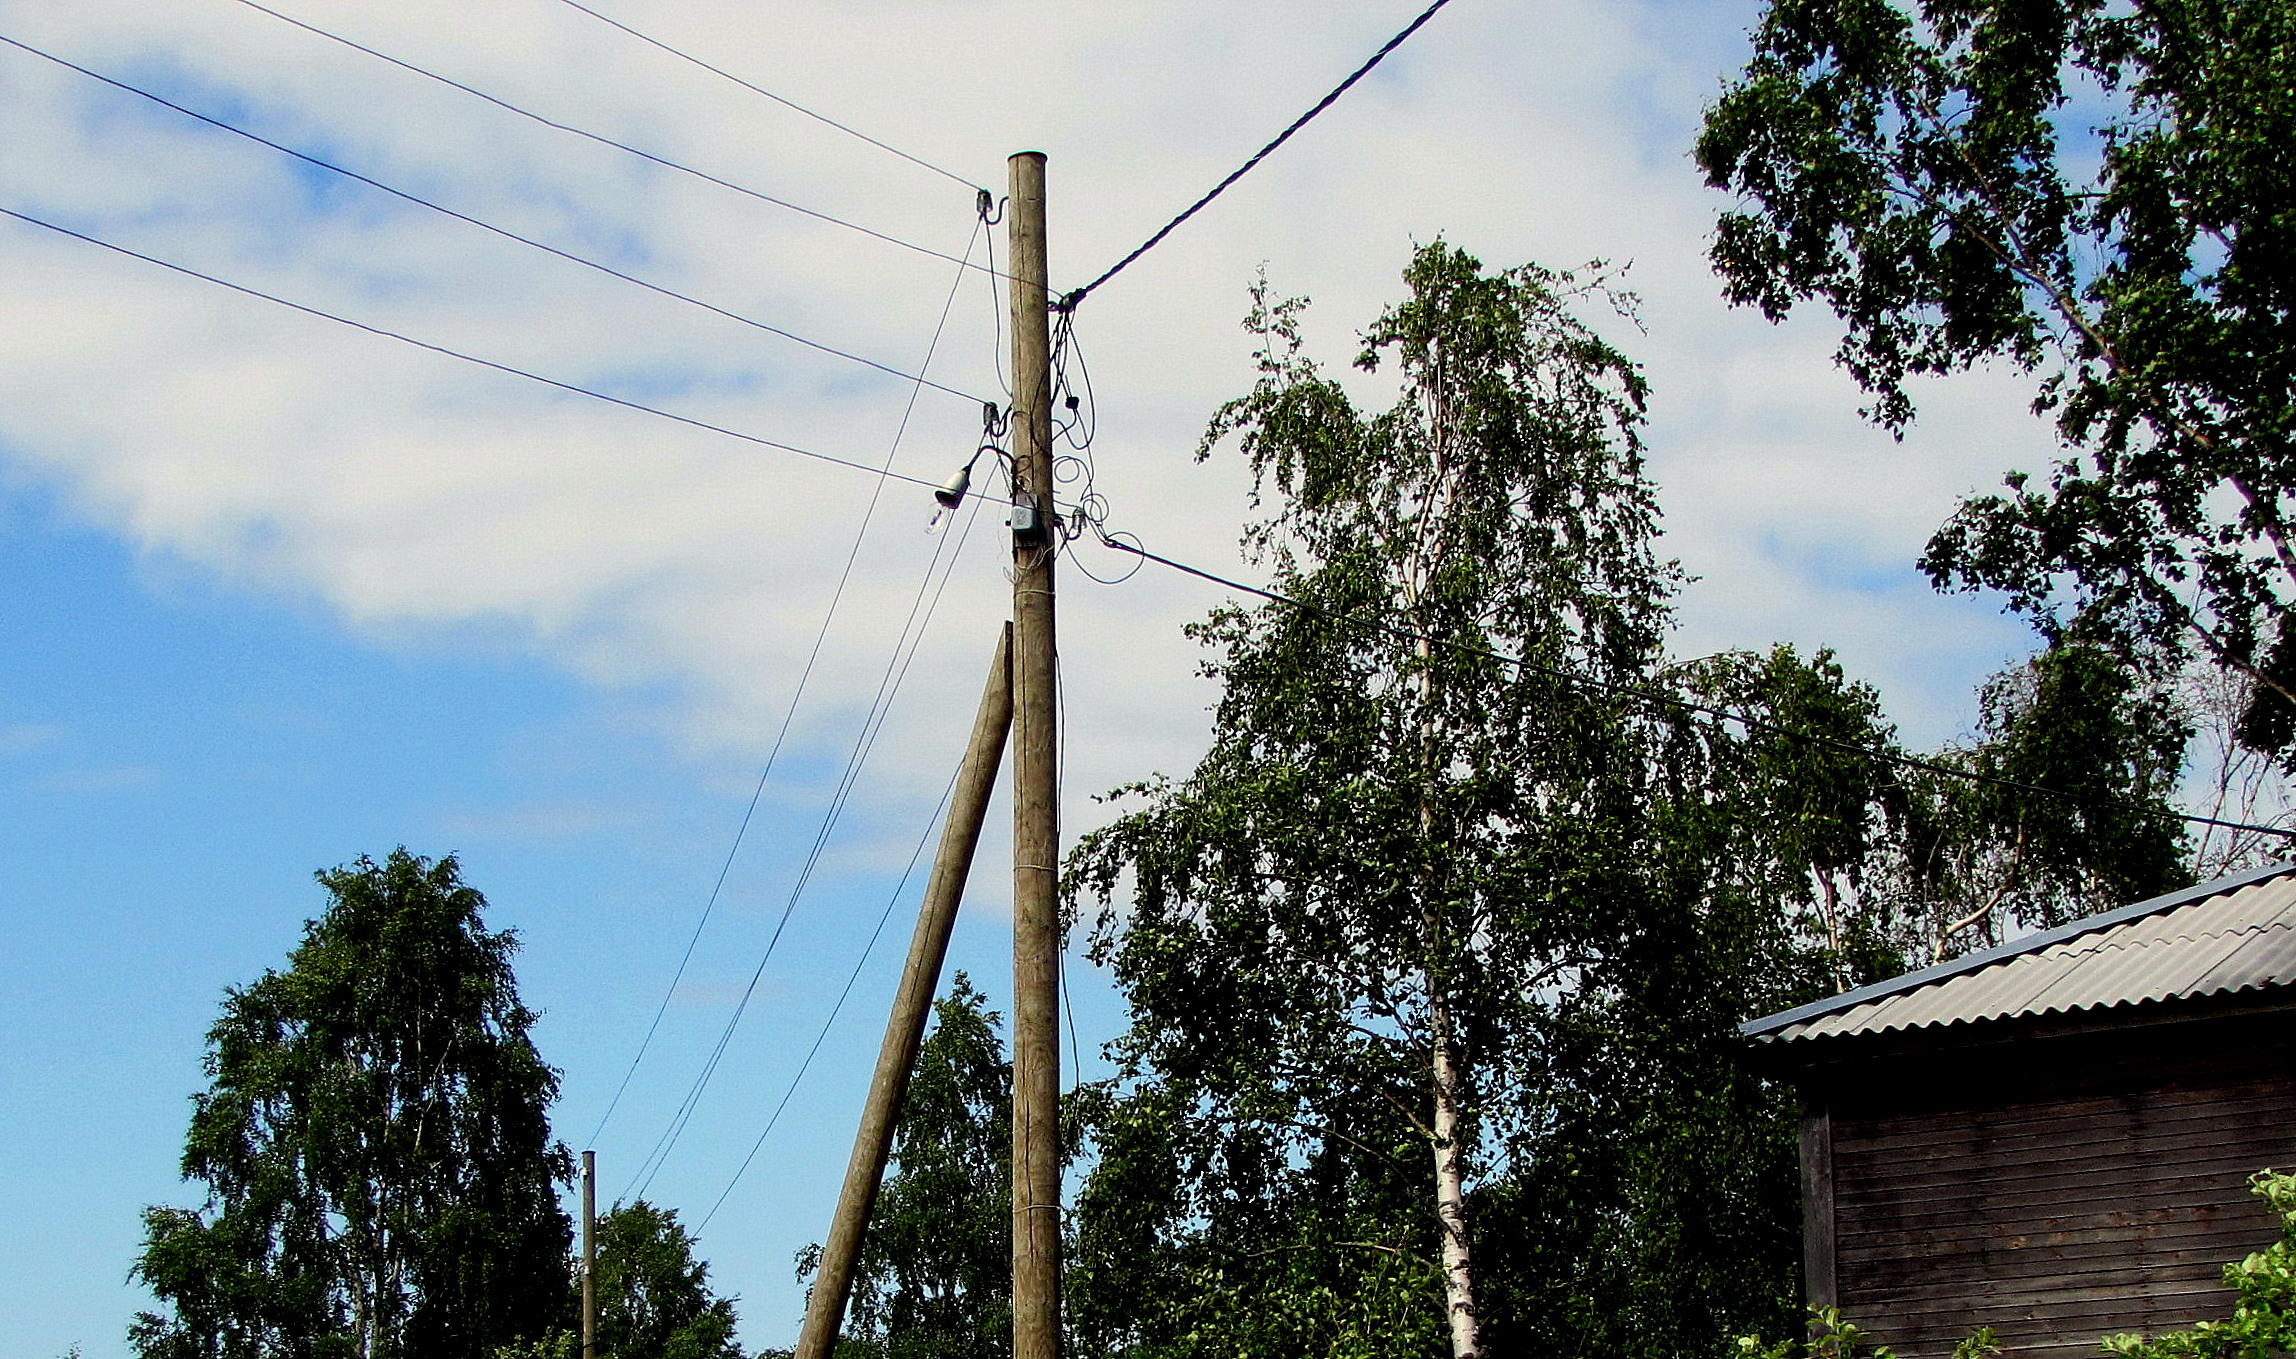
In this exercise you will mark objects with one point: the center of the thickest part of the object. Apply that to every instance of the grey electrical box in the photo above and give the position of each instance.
(1024, 521)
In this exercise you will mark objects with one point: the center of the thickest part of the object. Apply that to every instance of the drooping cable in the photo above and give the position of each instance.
(1060, 781)
(997, 311)
(852, 978)
(883, 474)
(868, 948)
(755, 88)
(1667, 698)
(789, 714)
(627, 148)
(1068, 302)
(888, 688)
(504, 232)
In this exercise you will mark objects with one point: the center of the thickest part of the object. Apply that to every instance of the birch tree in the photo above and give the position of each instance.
(1402, 850)
(2095, 192)
(374, 1142)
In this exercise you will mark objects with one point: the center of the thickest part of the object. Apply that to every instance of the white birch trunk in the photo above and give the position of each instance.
(1451, 1185)
(1444, 1062)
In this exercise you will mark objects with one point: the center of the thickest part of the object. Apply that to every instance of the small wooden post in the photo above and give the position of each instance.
(1036, 791)
(589, 1255)
(905, 1029)
(1817, 1202)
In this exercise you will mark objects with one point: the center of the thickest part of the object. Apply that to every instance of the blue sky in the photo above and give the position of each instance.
(278, 595)
(178, 758)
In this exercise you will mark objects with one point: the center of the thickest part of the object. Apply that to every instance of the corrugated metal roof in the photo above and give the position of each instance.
(2234, 934)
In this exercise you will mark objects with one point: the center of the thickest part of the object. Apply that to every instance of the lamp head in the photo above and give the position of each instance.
(951, 493)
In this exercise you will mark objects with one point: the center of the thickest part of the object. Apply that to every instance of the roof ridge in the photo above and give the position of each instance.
(2241, 927)
(2030, 944)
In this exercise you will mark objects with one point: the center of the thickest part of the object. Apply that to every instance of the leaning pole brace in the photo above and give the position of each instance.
(905, 1029)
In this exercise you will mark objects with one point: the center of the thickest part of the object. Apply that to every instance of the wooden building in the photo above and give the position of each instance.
(2052, 1138)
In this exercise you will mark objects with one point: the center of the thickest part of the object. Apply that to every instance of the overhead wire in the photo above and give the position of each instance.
(1060, 780)
(997, 309)
(789, 714)
(665, 162)
(888, 687)
(1087, 508)
(852, 978)
(883, 474)
(504, 232)
(1069, 301)
(755, 88)
(1662, 698)
(868, 948)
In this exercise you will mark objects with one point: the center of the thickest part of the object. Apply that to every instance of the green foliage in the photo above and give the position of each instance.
(374, 1143)
(554, 1344)
(2101, 194)
(1401, 856)
(2263, 1321)
(2073, 719)
(934, 1280)
(1876, 866)
(1834, 1338)
(1399, 847)
(654, 1298)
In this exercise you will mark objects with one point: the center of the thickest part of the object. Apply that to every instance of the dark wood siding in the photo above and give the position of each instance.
(2057, 1190)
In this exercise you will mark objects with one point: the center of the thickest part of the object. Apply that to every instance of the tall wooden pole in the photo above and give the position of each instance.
(1036, 795)
(589, 1255)
(905, 1030)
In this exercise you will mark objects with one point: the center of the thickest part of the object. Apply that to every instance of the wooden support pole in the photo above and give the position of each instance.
(1036, 793)
(589, 1255)
(1817, 1202)
(905, 1029)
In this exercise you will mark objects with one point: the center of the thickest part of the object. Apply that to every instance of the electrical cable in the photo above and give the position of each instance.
(603, 140)
(883, 474)
(789, 714)
(1060, 780)
(884, 917)
(1069, 345)
(888, 688)
(778, 99)
(866, 949)
(1069, 301)
(997, 316)
(1666, 699)
(504, 232)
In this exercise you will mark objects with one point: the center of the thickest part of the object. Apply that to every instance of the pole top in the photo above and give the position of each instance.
(1022, 155)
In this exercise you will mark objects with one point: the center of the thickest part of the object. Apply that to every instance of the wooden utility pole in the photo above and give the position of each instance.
(905, 1030)
(1036, 793)
(589, 1255)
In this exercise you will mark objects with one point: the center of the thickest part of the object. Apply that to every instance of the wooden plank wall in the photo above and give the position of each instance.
(2057, 1196)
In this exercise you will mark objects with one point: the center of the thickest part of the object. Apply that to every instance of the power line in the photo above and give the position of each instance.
(754, 88)
(888, 688)
(504, 232)
(1667, 698)
(789, 715)
(897, 670)
(883, 474)
(1068, 303)
(838, 1006)
(603, 140)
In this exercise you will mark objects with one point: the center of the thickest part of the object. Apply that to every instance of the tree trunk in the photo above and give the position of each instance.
(1444, 1060)
(1451, 1182)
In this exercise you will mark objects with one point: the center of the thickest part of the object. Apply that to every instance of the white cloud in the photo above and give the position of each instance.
(409, 493)
(21, 737)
